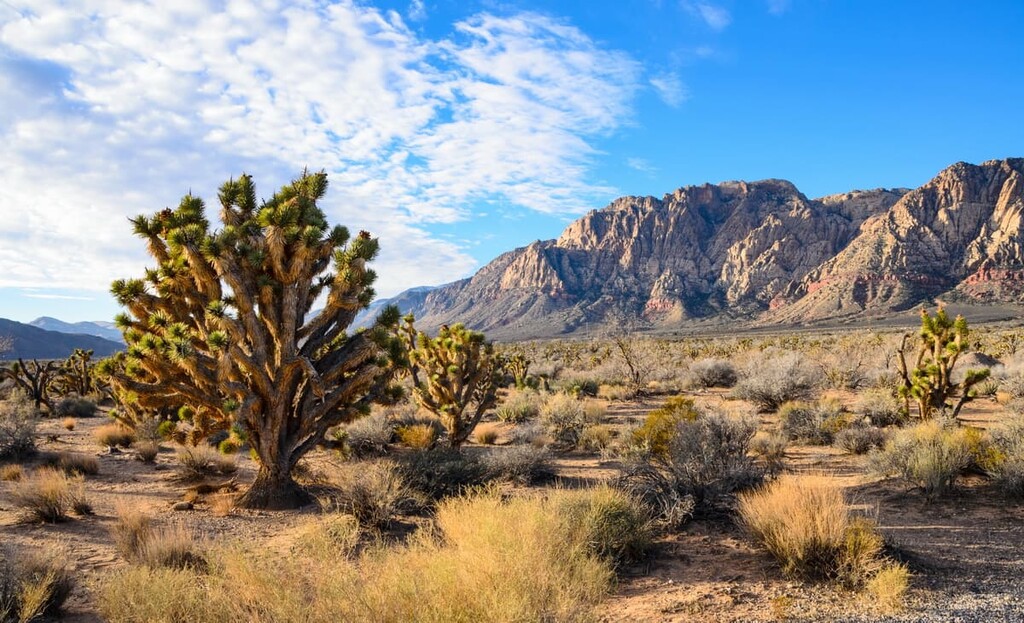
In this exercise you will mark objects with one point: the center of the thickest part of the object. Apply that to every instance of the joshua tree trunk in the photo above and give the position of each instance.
(275, 489)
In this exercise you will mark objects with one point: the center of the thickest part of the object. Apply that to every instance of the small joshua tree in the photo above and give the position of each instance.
(455, 376)
(221, 330)
(518, 366)
(930, 381)
(34, 378)
(76, 374)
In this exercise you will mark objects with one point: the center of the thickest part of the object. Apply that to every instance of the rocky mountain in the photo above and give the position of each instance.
(757, 252)
(32, 342)
(105, 330)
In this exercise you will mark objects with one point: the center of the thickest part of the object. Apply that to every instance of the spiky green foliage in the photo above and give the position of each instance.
(929, 383)
(34, 378)
(221, 329)
(76, 374)
(455, 375)
(517, 365)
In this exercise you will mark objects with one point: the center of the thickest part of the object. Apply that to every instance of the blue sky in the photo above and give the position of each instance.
(456, 130)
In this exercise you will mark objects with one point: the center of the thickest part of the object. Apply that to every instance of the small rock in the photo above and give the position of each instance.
(182, 506)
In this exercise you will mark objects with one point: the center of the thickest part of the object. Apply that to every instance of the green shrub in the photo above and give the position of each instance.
(931, 455)
(814, 423)
(417, 436)
(440, 473)
(860, 439)
(881, 407)
(518, 406)
(659, 427)
(73, 406)
(612, 524)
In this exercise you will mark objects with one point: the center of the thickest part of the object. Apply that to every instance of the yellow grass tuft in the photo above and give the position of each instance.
(113, 435)
(888, 587)
(68, 423)
(49, 494)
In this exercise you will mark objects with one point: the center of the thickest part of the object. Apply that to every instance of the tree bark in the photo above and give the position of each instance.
(275, 489)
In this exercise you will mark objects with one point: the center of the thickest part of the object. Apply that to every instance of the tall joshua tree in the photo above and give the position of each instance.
(222, 327)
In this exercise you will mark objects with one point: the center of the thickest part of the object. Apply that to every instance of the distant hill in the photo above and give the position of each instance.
(32, 342)
(406, 302)
(105, 330)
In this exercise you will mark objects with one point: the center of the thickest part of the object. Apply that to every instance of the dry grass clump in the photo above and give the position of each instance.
(327, 537)
(486, 434)
(931, 455)
(417, 436)
(606, 391)
(68, 423)
(375, 494)
(597, 437)
(370, 435)
(33, 585)
(199, 462)
(76, 407)
(489, 559)
(771, 448)
(114, 435)
(519, 406)
(814, 423)
(707, 373)
(11, 473)
(772, 379)
(888, 587)
(146, 451)
(860, 439)
(806, 525)
(142, 543)
(49, 494)
(73, 463)
(524, 464)
(18, 420)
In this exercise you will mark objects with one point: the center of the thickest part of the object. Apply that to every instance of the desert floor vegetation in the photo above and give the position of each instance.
(571, 500)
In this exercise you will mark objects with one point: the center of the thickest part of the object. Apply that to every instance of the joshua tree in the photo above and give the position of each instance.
(221, 328)
(930, 382)
(76, 374)
(518, 366)
(34, 378)
(455, 375)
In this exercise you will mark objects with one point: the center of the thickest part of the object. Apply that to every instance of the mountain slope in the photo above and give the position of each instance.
(105, 330)
(32, 342)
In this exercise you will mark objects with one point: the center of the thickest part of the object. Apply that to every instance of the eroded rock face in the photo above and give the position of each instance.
(754, 250)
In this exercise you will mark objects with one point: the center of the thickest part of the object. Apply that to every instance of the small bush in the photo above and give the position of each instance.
(564, 417)
(165, 430)
(774, 379)
(860, 439)
(114, 435)
(659, 427)
(73, 463)
(711, 373)
(417, 436)
(805, 523)
(1007, 464)
(518, 407)
(888, 587)
(813, 423)
(146, 451)
(771, 448)
(140, 542)
(68, 423)
(520, 464)
(375, 495)
(370, 435)
(931, 455)
(33, 585)
(612, 524)
(11, 473)
(74, 406)
(49, 495)
(327, 537)
(18, 419)
(614, 392)
(229, 446)
(199, 462)
(442, 472)
(597, 437)
(881, 407)
(486, 434)
(533, 433)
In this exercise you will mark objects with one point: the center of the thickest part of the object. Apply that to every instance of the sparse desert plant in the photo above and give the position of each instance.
(564, 417)
(860, 439)
(18, 420)
(370, 435)
(707, 373)
(441, 472)
(146, 451)
(806, 524)
(73, 463)
(707, 461)
(930, 455)
(775, 378)
(1007, 465)
(520, 464)
(888, 586)
(814, 423)
(455, 376)
(661, 424)
(74, 406)
(417, 436)
(518, 406)
(49, 494)
(142, 542)
(33, 584)
(114, 435)
(597, 437)
(196, 463)
(615, 526)
(533, 433)
(486, 434)
(771, 448)
(68, 423)
(11, 472)
(327, 537)
(607, 391)
(881, 407)
(375, 495)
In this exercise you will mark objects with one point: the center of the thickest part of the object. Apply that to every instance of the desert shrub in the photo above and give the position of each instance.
(1007, 464)
(374, 495)
(597, 437)
(230, 445)
(417, 436)
(564, 417)
(706, 462)
(771, 448)
(987, 388)
(141, 594)
(73, 463)
(606, 391)
(327, 537)
(773, 379)
(881, 407)
(659, 427)
(140, 542)
(518, 406)
(165, 430)
(533, 433)
(860, 439)
(612, 524)
(68, 423)
(520, 464)
(814, 423)
(806, 525)
(441, 472)
(196, 463)
(33, 584)
(11, 473)
(486, 434)
(888, 587)
(49, 494)
(370, 435)
(146, 451)
(114, 435)
(711, 373)
(931, 455)
(1013, 385)
(73, 406)
(18, 419)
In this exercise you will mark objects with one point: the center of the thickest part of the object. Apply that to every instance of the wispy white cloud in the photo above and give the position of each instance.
(670, 88)
(61, 297)
(642, 165)
(778, 7)
(716, 17)
(109, 109)
(417, 10)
